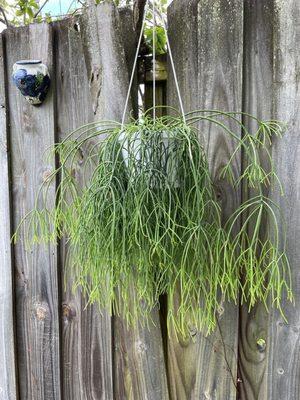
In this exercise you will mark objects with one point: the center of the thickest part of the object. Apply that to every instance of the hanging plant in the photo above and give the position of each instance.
(147, 223)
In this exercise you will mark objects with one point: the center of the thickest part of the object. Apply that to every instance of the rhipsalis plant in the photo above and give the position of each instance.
(145, 220)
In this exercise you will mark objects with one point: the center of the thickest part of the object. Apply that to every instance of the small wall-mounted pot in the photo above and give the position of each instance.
(32, 79)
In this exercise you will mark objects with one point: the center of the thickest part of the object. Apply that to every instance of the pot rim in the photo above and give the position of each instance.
(23, 62)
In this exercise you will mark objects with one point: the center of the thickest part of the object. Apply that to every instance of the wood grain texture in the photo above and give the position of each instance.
(8, 381)
(208, 59)
(32, 132)
(139, 364)
(105, 58)
(140, 370)
(86, 334)
(257, 100)
(272, 90)
(87, 357)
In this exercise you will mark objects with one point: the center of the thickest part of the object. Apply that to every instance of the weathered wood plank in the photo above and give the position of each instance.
(137, 374)
(139, 367)
(70, 64)
(272, 90)
(140, 370)
(258, 86)
(108, 76)
(86, 334)
(8, 382)
(208, 60)
(105, 58)
(32, 132)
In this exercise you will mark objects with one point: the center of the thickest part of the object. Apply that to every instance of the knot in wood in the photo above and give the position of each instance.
(76, 26)
(96, 72)
(280, 371)
(41, 311)
(193, 331)
(219, 195)
(27, 122)
(141, 347)
(261, 345)
(46, 175)
(68, 312)
(220, 191)
(221, 310)
(207, 395)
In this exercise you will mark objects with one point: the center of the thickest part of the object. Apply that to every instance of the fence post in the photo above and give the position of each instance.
(208, 59)
(8, 389)
(269, 344)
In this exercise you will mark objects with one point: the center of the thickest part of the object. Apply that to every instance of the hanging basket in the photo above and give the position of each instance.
(154, 152)
(148, 223)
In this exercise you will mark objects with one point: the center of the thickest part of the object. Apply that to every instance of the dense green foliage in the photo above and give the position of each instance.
(146, 220)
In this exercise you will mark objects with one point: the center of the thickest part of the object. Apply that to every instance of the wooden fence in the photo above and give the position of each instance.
(230, 55)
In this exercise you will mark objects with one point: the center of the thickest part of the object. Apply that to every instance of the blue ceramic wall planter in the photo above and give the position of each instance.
(32, 78)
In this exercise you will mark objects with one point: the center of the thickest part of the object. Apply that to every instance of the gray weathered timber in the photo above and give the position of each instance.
(139, 367)
(208, 59)
(105, 60)
(272, 90)
(32, 132)
(257, 100)
(109, 66)
(8, 389)
(140, 370)
(86, 334)
(137, 362)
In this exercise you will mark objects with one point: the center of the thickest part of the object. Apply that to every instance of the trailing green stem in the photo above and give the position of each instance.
(145, 220)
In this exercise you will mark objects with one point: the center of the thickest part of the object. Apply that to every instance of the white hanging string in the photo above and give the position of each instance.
(172, 64)
(134, 64)
(153, 61)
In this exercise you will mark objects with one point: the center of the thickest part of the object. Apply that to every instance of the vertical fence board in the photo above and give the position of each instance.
(208, 59)
(105, 60)
(8, 389)
(86, 334)
(140, 372)
(107, 72)
(272, 90)
(32, 132)
(139, 369)
(257, 100)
